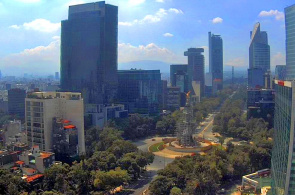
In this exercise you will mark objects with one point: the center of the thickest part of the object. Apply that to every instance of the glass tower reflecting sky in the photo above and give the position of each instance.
(290, 42)
(283, 152)
(89, 44)
(259, 50)
(215, 56)
(196, 68)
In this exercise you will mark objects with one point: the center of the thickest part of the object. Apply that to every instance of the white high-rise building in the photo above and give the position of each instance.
(42, 108)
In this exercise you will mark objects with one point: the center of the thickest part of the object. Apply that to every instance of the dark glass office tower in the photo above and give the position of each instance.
(178, 77)
(259, 55)
(216, 58)
(140, 91)
(16, 102)
(196, 68)
(89, 52)
(283, 151)
(259, 50)
(290, 44)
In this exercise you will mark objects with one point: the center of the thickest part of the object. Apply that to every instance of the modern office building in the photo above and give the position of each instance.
(89, 52)
(163, 100)
(255, 78)
(283, 152)
(140, 91)
(259, 50)
(216, 59)
(173, 98)
(283, 158)
(16, 102)
(100, 114)
(196, 70)
(179, 76)
(261, 104)
(42, 108)
(290, 41)
(280, 72)
(259, 56)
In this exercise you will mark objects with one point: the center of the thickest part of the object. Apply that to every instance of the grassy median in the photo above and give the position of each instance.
(156, 147)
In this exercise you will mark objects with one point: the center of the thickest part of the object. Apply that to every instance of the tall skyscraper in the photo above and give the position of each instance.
(178, 76)
(44, 109)
(259, 50)
(259, 55)
(216, 58)
(196, 70)
(290, 43)
(89, 44)
(283, 152)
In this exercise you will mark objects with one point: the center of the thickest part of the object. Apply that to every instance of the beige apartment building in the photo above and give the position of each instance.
(41, 110)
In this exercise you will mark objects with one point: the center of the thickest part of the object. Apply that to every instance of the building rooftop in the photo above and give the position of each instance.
(45, 154)
(55, 95)
(19, 162)
(34, 177)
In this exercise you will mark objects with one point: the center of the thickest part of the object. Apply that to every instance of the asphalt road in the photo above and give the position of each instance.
(159, 163)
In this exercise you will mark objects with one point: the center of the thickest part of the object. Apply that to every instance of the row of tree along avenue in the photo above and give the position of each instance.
(111, 162)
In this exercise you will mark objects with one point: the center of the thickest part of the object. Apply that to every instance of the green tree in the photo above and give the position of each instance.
(55, 176)
(175, 191)
(161, 185)
(111, 179)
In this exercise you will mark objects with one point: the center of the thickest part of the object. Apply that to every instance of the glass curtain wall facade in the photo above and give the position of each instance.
(259, 50)
(196, 68)
(89, 44)
(283, 153)
(216, 57)
(140, 91)
(178, 77)
(290, 43)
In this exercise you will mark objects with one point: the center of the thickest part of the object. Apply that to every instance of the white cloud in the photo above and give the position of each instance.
(278, 59)
(176, 11)
(277, 14)
(157, 17)
(160, 1)
(237, 62)
(168, 35)
(205, 47)
(217, 20)
(56, 37)
(126, 23)
(14, 26)
(41, 25)
(135, 2)
(128, 53)
(38, 60)
(74, 2)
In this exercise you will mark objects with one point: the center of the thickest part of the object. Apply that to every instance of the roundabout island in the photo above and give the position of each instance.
(186, 142)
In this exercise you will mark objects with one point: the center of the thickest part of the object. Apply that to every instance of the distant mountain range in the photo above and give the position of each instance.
(164, 68)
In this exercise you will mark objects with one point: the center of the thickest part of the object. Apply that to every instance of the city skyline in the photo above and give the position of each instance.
(33, 41)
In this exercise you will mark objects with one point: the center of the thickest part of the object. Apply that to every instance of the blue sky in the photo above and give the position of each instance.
(148, 30)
